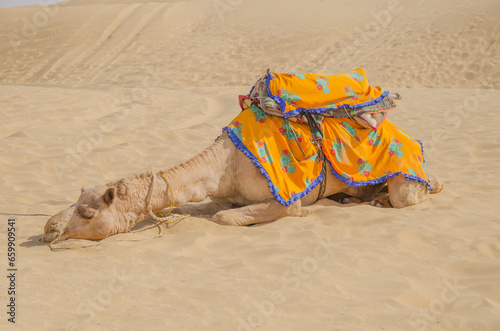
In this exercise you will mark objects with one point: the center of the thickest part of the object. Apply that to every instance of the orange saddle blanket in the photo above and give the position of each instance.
(283, 152)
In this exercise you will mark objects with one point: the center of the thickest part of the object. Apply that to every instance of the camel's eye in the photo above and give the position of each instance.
(86, 212)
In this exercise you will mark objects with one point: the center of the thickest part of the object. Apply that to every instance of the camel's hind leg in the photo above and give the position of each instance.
(404, 192)
(261, 212)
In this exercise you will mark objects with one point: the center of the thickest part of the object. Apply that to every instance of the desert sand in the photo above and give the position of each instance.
(94, 90)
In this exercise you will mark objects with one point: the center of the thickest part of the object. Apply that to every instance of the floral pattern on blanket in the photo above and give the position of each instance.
(300, 90)
(283, 152)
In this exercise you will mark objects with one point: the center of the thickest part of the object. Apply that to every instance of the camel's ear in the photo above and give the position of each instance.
(109, 195)
(86, 212)
(82, 189)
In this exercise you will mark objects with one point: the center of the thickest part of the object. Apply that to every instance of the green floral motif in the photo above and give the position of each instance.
(322, 84)
(264, 154)
(287, 130)
(286, 162)
(288, 96)
(413, 172)
(236, 127)
(349, 129)
(364, 167)
(396, 148)
(315, 158)
(332, 107)
(421, 163)
(296, 74)
(319, 121)
(374, 139)
(356, 76)
(337, 148)
(350, 93)
(307, 181)
(347, 176)
(259, 114)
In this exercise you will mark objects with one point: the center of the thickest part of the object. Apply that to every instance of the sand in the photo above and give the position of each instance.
(94, 90)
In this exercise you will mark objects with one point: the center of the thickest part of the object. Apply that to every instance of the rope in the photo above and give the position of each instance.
(348, 115)
(160, 218)
(56, 239)
(15, 214)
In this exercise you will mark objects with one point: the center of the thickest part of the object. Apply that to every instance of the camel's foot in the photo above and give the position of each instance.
(349, 200)
(436, 183)
(382, 202)
(262, 212)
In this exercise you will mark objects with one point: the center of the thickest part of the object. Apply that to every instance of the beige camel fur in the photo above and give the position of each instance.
(221, 172)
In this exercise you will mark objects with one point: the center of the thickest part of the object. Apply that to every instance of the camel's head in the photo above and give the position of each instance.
(94, 216)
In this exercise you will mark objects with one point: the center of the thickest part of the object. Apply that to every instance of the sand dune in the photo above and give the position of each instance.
(93, 90)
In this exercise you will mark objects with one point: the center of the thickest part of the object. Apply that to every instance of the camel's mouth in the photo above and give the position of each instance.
(52, 233)
(56, 224)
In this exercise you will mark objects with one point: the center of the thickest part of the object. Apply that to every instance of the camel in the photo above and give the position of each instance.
(239, 195)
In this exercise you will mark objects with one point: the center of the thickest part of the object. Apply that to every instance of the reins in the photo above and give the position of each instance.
(162, 217)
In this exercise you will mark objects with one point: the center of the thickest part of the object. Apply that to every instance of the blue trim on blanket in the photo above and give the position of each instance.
(276, 98)
(382, 179)
(379, 180)
(241, 146)
(297, 111)
(422, 147)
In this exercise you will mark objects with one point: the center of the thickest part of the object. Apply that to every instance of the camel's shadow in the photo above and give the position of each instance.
(34, 241)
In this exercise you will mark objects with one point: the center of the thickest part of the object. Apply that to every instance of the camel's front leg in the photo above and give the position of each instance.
(200, 210)
(261, 212)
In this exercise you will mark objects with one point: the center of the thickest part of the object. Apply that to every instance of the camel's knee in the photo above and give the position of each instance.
(262, 212)
(228, 217)
(405, 193)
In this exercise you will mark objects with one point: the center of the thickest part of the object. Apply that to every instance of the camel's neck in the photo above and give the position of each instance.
(206, 174)
(203, 175)
(192, 181)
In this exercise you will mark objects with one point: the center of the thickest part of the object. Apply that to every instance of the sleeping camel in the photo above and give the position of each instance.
(239, 195)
